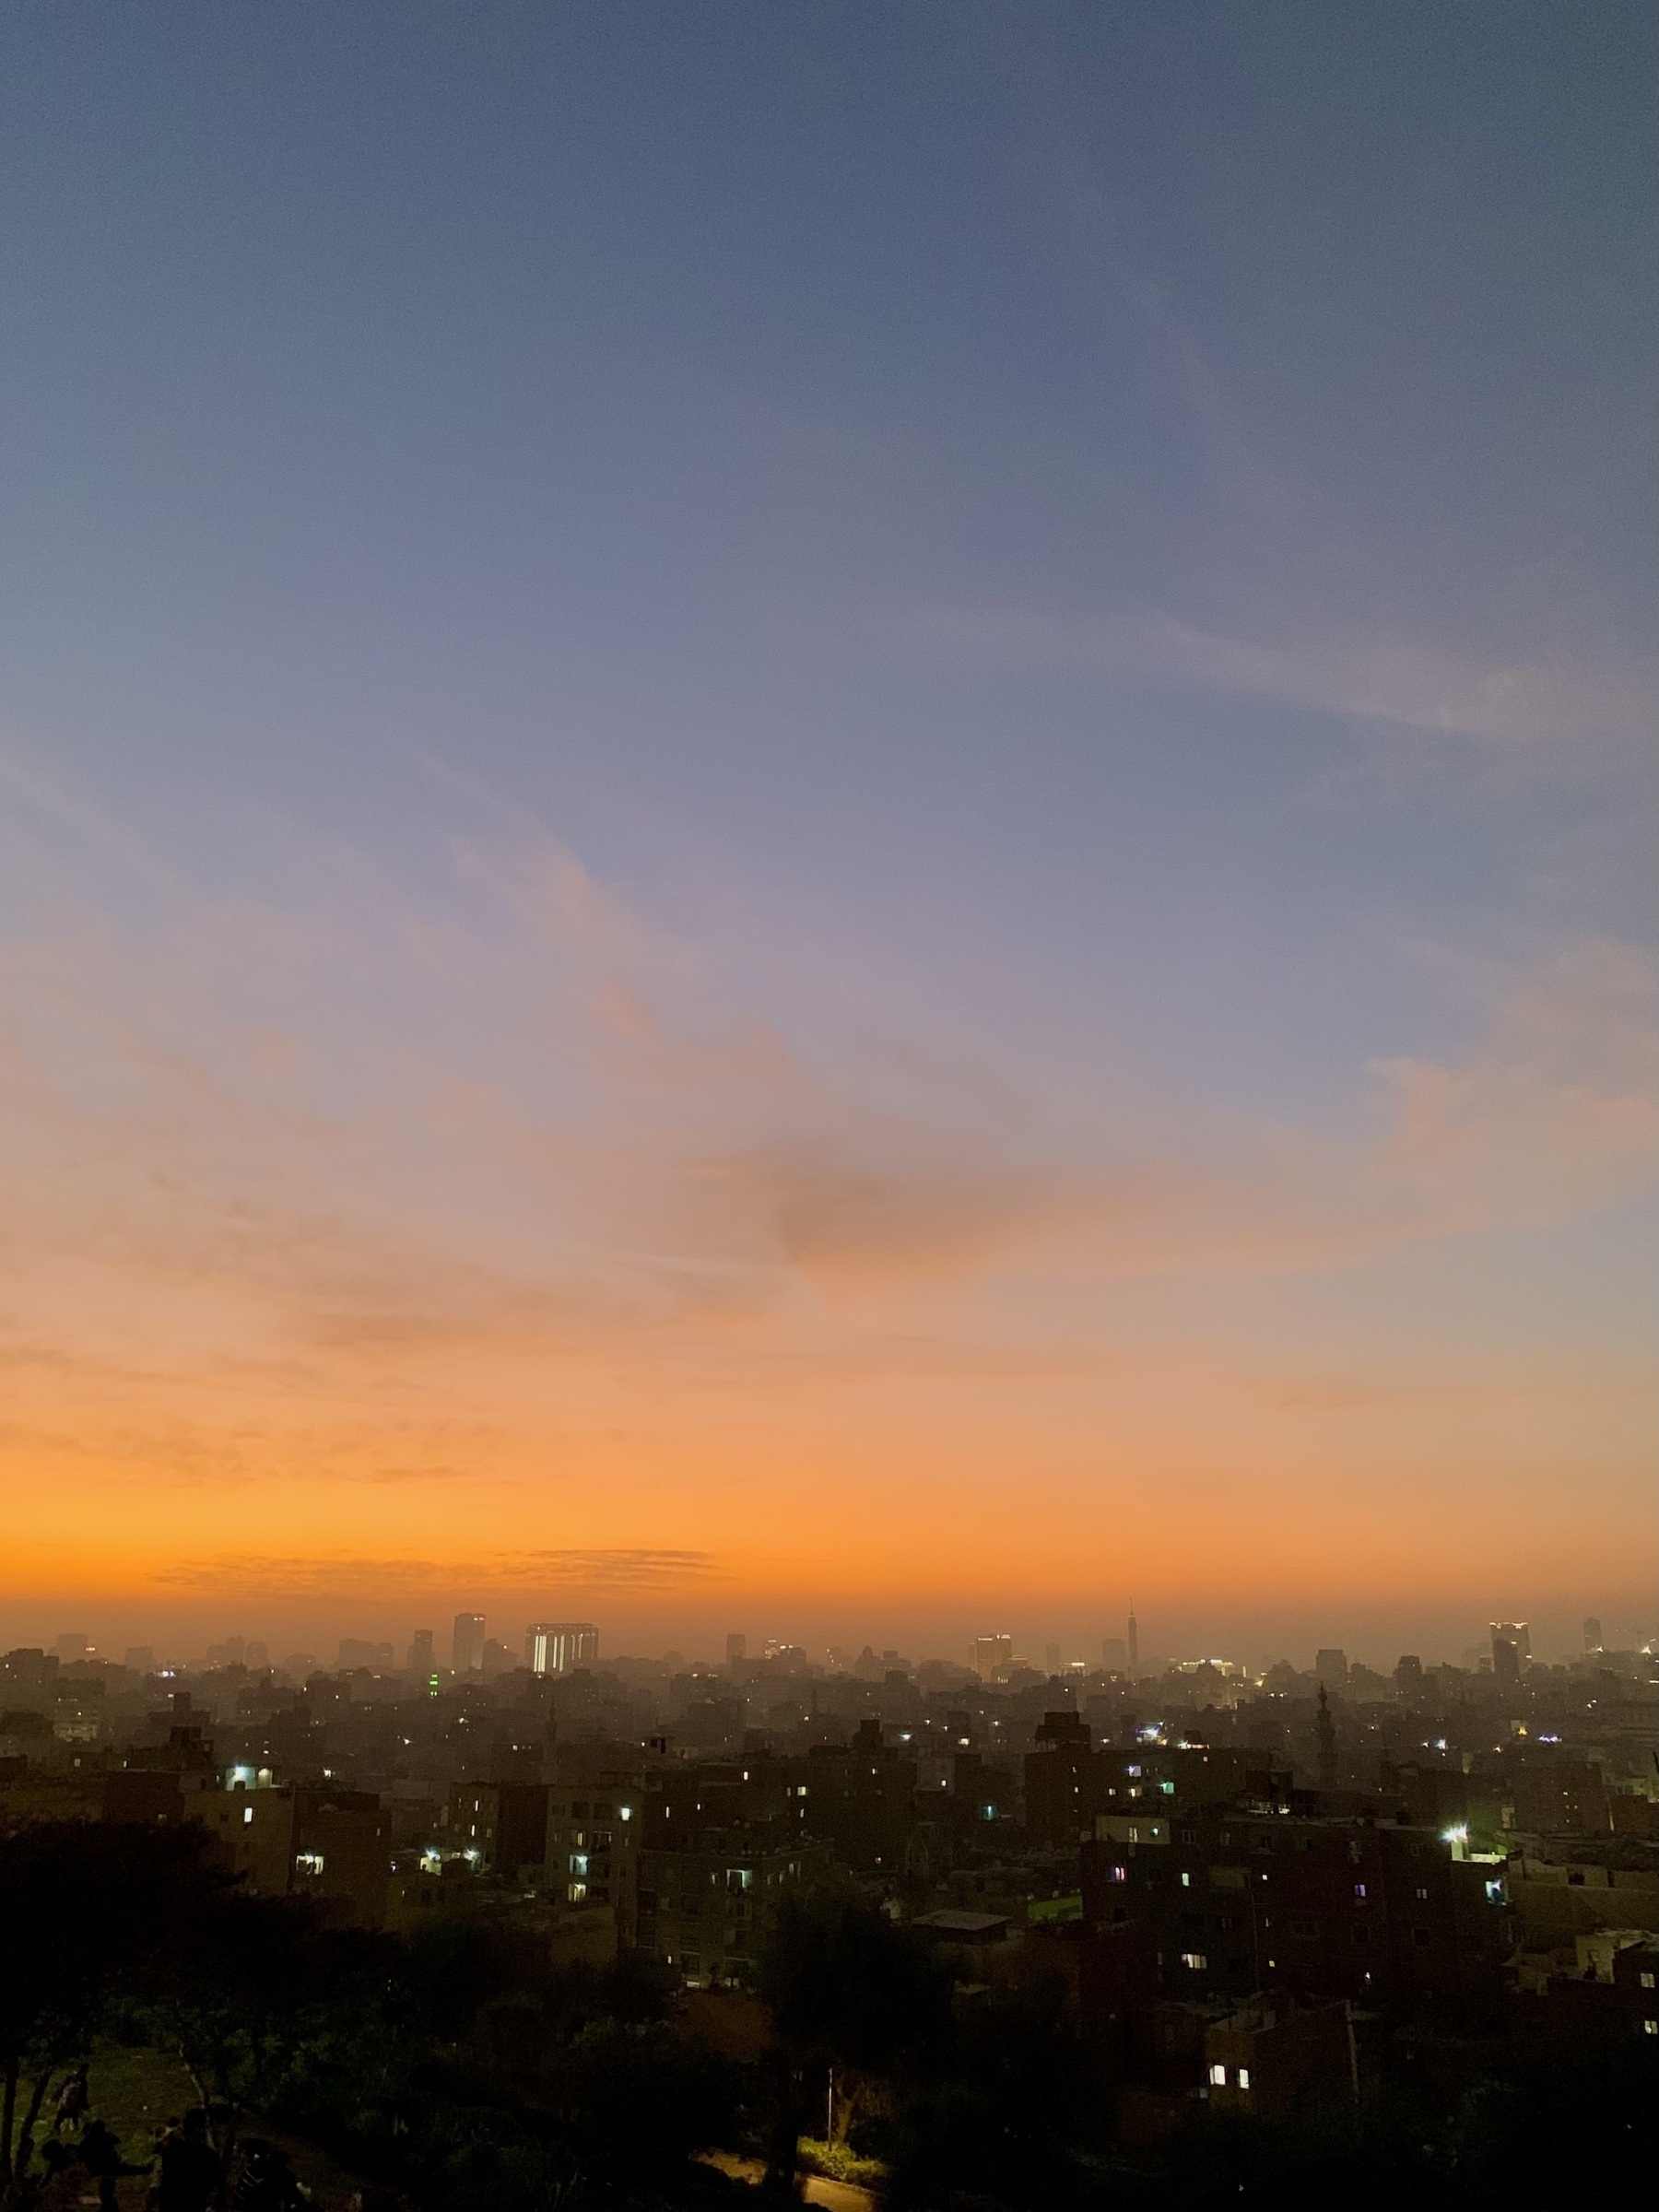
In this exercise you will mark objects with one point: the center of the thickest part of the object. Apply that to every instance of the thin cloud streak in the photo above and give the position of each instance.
(1555, 704)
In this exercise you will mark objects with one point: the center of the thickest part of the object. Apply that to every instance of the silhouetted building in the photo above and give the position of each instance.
(500, 1826)
(1239, 1903)
(1277, 2060)
(709, 1877)
(343, 1854)
(466, 1644)
(1511, 1651)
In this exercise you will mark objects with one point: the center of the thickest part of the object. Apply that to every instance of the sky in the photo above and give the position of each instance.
(834, 819)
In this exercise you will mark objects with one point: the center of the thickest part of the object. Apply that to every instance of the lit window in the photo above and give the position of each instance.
(577, 1893)
(1218, 2077)
(1117, 1874)
(1650, 2026)
(1359, 1888)
(309, 1862)
(1647, 1981)
(1243, 2077)
(247, 1815)
(1196, 1960)
(1186, 1881)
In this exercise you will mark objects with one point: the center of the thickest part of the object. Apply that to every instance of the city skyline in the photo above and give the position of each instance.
(832, 819)
(478, 1643)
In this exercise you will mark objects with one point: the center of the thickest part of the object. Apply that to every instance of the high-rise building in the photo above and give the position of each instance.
(736, 1648)
(992, 1657)
(555, 1647)
(1512, 1649)
(1593, 1634)
(1331, 1670)
(1114, 1655)
(1132, 1644)
(466, 1647)
(421, 1660)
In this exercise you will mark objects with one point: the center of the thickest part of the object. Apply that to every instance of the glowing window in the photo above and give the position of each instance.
(1243, 2077)
(247, 1815)
(1196, 1960)
(1218, 2077)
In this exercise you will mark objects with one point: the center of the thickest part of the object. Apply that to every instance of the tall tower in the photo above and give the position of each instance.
(466, 1650)
(1132, 1643)
(420, 1652)
(1328, 1742)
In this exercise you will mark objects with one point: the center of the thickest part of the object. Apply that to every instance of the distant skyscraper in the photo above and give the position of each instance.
(1511, 1649)
(554, 1647)
(1114, 1655)
(1326, 1731)
(1132, 1644)
(420, 1652)
(1050, 1657)
(1331, 1670)
(991, 1656)
(736, 1648)
(1593, 1634)
(466, 1647)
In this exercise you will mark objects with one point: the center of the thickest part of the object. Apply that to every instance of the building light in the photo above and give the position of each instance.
(308, 1862)
(1243, 2077)
(247, 1816)
(1218, 2077)
(1196, 1960)
(1186, 1881)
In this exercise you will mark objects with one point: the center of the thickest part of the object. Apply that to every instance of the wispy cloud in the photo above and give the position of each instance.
(600, 1572)
(1554, 701)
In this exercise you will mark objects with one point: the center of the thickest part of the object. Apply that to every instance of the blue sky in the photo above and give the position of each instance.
(1087, 568)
